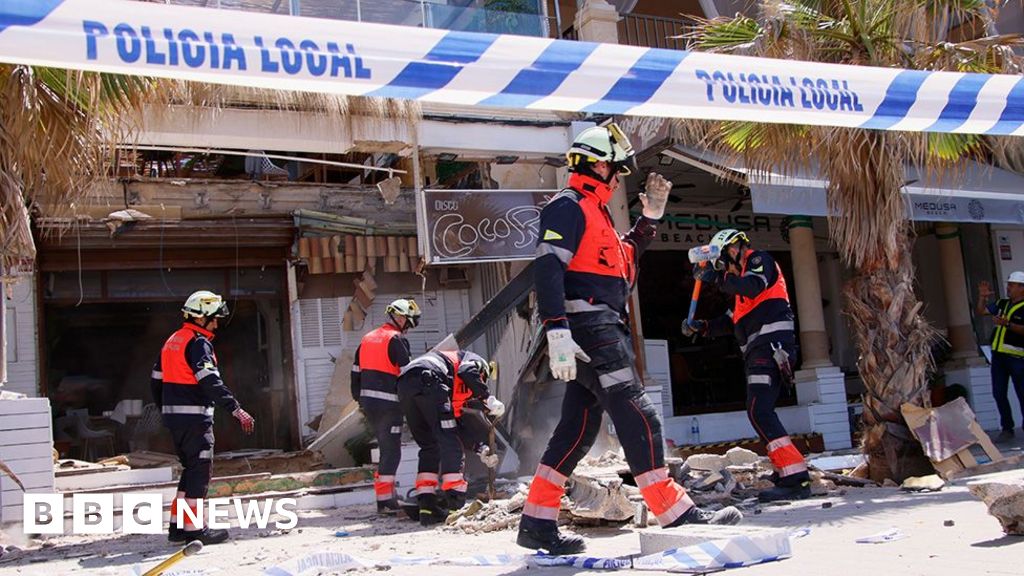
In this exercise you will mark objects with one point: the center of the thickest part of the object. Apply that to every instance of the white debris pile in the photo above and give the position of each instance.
(498, 514)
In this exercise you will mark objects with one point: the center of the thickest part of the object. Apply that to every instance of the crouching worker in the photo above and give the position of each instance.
(425, 392)
(186, 385)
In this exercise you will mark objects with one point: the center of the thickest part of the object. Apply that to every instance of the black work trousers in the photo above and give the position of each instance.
(194, 447)
(607, 384)
(385, 418)
(426, 402)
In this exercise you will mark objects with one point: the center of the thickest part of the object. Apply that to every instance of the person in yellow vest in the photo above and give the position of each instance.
(378, 360)
(1007, 346)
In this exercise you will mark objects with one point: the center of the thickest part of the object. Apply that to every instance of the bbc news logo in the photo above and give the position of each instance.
(143, 513)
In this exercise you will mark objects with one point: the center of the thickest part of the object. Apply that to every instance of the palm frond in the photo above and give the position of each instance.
(725, 34)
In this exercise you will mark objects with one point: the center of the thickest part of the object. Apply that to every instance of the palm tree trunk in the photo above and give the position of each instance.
(895, 355)
(872, 233)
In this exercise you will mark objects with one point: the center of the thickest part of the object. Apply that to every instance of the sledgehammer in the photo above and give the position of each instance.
(700, 256)
(191, 548)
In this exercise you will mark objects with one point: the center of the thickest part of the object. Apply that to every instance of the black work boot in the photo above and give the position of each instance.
(455, 500)
(799, 491)
(388, 507)
(207, 536)
(726, 516)
(537, 534)
(175, 534)
(431, 511)
(411, 509)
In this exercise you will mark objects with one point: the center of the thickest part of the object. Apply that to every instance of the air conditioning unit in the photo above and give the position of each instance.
(454, 277)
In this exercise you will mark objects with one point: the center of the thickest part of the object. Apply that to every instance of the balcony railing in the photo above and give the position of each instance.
(419, 13)
(652, 31)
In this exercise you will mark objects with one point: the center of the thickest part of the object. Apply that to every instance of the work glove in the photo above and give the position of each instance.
(706, 274)
(655, 195)
(689, 328)
(562, 354)
(494, 406)
(489, 460)
(248, 422)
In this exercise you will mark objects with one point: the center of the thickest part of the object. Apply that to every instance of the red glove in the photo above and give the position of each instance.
(248, 422)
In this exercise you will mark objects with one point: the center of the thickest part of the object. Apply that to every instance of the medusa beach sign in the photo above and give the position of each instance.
(473, 69)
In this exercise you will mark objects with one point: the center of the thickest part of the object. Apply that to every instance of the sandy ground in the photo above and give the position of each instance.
(974, 545)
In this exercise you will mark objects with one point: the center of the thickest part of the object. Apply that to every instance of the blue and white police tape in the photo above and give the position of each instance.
(472, 69)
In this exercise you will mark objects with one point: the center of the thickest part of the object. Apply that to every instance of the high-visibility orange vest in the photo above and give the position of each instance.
(777, 290)
(460, 392)
(601, 250)
(373, 350)
(173, 364)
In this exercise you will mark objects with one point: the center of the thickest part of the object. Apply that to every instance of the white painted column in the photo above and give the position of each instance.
(596, 21)
(966, 367)
(820, 386)
(958, 304)
(807, 286)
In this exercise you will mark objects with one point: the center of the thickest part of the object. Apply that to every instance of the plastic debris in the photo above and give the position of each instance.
(890, 535)
(317, 561)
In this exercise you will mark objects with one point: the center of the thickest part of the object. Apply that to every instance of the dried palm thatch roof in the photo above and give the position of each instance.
(56, 127)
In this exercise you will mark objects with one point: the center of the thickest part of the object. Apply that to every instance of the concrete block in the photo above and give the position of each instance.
(708, 462)
(1005, 501)
(655, 540)
(740, 456)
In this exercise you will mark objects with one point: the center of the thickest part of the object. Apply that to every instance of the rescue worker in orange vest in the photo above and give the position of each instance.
(585, 273)
(426, 389)
(762, 321)
(186, 385)
(378, 360)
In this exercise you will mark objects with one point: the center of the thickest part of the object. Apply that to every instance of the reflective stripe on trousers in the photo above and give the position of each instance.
(545, 496)
(426, 483)
(383, 486)
(663, 495)
(454, 482)
(785, 457)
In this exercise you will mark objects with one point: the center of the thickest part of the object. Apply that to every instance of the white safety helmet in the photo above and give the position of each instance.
(205, 304)
(407, 308)
(483, 366)
(1016, 278)
(725, 238)
(601, 144)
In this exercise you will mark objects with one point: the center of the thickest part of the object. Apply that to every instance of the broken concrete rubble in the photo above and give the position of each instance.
(1005, 501)
(707, 462)
(931, 483)
(597, 491)
(741, 456)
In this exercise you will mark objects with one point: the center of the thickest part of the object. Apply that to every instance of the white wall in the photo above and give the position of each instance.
(1014, 238)
(22, 344)
(728, 426)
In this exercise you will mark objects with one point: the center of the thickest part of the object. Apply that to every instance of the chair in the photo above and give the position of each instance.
(91, 439)
(149, 423)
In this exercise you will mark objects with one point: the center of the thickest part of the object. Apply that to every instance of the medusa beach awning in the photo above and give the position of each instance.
(975, 192)
(487, 70)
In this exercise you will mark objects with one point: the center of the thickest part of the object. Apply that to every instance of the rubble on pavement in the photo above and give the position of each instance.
(1005, 501)
(602, 491)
